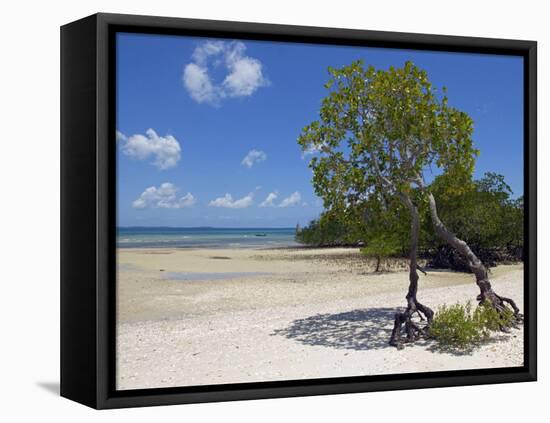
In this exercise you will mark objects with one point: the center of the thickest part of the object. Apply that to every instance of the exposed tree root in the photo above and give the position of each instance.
(412, 330)
(498, 302)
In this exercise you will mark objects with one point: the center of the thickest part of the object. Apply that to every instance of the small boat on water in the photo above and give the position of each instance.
(261, 234)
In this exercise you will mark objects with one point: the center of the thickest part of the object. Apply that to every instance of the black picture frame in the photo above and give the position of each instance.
(88, 208)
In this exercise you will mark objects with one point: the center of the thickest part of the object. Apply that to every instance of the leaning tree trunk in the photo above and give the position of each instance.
(404, 319)
(474, 263)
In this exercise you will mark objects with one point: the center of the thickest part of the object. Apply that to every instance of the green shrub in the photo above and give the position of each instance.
(458, 327)
(490, 320)
(455, 326)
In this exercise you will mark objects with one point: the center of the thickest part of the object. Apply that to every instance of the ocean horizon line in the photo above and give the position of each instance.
(204, 236)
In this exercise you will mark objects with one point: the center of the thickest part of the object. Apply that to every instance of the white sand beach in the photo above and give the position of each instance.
(216, 316)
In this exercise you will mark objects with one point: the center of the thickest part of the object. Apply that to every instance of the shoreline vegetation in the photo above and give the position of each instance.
(282, 313)
(483, 214)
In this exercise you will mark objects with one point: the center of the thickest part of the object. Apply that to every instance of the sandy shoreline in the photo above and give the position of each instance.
(210, 316)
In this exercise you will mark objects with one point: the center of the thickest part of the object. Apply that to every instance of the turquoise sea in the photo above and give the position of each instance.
(205, 237)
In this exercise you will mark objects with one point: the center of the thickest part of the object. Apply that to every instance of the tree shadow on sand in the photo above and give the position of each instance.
(361, 329)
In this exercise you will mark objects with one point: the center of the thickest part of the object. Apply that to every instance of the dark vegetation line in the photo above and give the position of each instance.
(485, 216)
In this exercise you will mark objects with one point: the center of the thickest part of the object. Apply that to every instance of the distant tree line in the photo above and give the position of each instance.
(484, 214)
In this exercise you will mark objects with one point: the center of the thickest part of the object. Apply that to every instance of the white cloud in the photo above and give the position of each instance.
(198, 84)
(165, 150)
(207, 49)
(121, 137)
(163, 197)
(253, 156)
(244, 74)
(292, 200)
(312, 149)
(269, 200)
(228, 202)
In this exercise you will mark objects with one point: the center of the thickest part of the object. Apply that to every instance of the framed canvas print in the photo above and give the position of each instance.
(254, 211)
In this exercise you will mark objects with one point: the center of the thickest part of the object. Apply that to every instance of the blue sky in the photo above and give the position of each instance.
(207, 129)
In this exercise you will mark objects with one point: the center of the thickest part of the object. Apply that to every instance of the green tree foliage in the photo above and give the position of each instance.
(483, 215)
(379, 130)
(386, 230)
(329, 230)
(334, 228)
(382, 246)
(478, 213)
